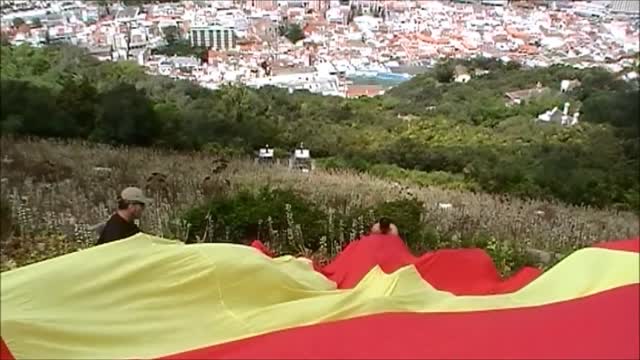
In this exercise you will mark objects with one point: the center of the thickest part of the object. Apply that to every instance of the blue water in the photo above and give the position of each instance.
(386, 80)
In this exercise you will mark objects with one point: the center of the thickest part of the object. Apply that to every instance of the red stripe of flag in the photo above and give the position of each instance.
(601, 326)
(5, 354)
(632, 245)
(459, 271)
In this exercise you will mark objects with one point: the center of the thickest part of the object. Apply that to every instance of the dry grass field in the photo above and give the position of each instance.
(53, 192)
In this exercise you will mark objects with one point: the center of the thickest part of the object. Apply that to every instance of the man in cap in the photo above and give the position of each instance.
(131, 204)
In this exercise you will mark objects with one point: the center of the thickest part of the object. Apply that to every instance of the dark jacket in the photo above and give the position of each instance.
(117, 228)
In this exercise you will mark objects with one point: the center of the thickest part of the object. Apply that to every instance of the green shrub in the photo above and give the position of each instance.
(250, 215)
(341, 163)
(406, 214)
(440, 179)
(290, 224)
(508, 256)
(332, 163)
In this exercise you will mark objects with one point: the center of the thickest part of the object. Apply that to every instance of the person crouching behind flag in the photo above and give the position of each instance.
(131, 205)
(384, 226)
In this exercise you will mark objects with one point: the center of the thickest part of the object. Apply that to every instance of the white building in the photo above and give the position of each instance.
(590, 9)
(312, 81)
(555, 116)
(234, 19)
(495, 2)
(28, 15)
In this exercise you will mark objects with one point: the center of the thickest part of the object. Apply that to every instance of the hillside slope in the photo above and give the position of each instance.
(462, 133)
(55, 191)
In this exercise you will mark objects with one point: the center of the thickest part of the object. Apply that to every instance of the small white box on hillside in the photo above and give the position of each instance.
(302, 154)
(266, 153)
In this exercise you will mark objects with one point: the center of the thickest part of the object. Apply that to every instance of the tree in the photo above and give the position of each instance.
(176, 44)
(181, 47)
(126, 116)
(513, 65)
(30, 110)
(17, 22)
(77, 101)
(171, 34)
(293, 32)
(621, 110)
(36, 23)
(444, 72)
(112, 73)
(173, 135)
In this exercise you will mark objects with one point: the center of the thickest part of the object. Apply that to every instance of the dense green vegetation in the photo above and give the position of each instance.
(291, 224)
(291, 31)
(429, 130)
(178, 46)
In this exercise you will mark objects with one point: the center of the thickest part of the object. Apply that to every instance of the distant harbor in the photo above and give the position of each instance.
(383, 79)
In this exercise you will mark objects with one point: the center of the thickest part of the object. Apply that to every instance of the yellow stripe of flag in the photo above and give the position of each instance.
(147, 297)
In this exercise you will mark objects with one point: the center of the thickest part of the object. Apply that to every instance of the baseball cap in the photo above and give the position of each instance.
(134, 194)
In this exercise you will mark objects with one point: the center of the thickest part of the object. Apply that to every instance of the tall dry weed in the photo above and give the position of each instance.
(53, 213)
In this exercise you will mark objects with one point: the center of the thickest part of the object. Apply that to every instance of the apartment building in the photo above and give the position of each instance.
(263, 4)
(215, 37)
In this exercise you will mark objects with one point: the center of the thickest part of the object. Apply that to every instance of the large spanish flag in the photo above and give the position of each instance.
(151, 298)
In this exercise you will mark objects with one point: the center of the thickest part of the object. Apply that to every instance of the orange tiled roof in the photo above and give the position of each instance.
(517, 34)
(364, 90)
(528, 49)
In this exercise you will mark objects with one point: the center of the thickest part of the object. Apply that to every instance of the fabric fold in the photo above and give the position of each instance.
(147, 297)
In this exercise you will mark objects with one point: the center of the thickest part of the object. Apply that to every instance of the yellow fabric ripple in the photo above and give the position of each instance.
(147, 297)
